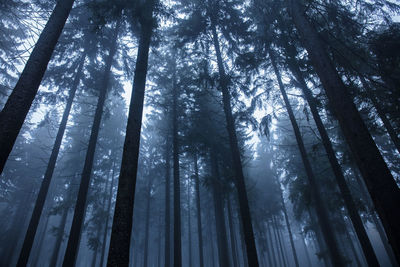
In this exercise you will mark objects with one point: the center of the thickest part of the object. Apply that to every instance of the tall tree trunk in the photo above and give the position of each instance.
(79, 212)
(189, 226)
(19, 102)
(110, 196)
(232, 234)
(276, 226)
(147, 226)
(177, 185)
(44, 188)
(42, 235)
(341, 181)
(271, 244)
(296, 260)
(167, 247)
(198, 210)
(277, 244)
(380, 183)
(322, 214)
(236, 158)
(211, 239)
(118, 254)
(219, 212)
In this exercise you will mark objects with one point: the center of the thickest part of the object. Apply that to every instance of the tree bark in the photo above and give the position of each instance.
(44, 188)
(19, 102)
(341, 181)
(251, 250)
(322, 214)
(232, 234)
(199, 224)
(380, 183)
(79, 212)
(147, 226)
(118, 254)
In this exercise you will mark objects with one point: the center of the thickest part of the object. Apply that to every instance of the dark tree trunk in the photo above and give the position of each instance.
(211, 239)
(79, 212)
(232, 234)
(341, 181)
(118, 254)
(147, 226)
(236, 158)
(19, 102)
(44, 188)
(110, 196)
(167, 255)
(296, 260)
(198, 210)
(219, 212)
(322, 214)
(177, 185)
(380, 183)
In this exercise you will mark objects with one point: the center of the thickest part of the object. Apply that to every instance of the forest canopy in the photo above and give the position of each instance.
(199, 133)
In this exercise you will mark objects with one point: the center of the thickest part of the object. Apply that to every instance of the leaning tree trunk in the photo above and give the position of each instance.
(44, 188)
(79, 212)
(219, 212)
(19, 102)
(380, 183)
(232, 234)
(167, 248)
(118, 254)
(236, 160)
(198, 210)
(366, 245)
(322, 214)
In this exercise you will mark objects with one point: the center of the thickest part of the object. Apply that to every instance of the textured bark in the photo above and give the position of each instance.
(219, 212)
(198, 210)
(251, 250)
(380, 183)
(323, 218)
(167, 262)
(44, 188)
(79, 212)
(19, 102)
(366, 245)
(122, 222)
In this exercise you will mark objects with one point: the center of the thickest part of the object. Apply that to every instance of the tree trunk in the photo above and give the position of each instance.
(199, 224)
(147, 226)
(269, 237)
(19, 102)
(322, 214)
(277, 244)
(79, 212)
(341, 181)
(189, 227)
(219, 212)
(44, 188)
(232, 234)
(167, 248)
(177, 186)
(236, 158)
(380, 183)
(118, 254)
(110, 194)
(36, 259)
(296, 260)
